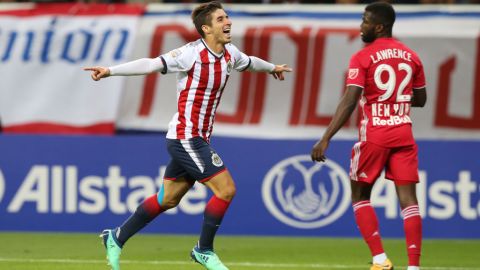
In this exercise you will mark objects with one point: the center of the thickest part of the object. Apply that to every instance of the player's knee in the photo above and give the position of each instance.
(168, 203)
(227, 193)
(360, 196)
(406, 202)
(360, 191)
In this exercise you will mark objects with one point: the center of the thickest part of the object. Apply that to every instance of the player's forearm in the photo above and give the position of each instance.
(137, 67)
(342, 114)
(260, 65)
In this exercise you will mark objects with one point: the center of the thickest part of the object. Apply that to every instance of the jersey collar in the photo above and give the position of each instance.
(212, 52)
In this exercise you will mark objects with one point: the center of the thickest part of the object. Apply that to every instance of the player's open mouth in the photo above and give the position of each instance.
(226, 31)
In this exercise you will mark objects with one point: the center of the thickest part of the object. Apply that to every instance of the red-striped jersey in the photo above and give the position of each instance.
(201, 78)
(388, 71)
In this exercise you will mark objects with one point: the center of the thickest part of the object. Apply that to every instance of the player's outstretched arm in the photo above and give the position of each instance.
(344, 110)
(141, 66)
(260, 65)
(278, 71)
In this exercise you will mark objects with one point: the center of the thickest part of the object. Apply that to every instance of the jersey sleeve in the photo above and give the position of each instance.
(356, 72)
(178, 60)
(419, 76)
(242, 61)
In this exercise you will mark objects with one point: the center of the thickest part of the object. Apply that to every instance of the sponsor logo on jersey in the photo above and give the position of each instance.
(306, 195)
(216, 160)
(352, 73)
(391, 121)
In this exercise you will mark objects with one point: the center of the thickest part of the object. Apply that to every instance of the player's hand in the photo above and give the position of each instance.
(277, 73)
(318, 151)
(98, 72)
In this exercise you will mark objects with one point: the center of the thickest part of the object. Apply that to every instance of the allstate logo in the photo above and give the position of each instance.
(304, 194)
(2, 185)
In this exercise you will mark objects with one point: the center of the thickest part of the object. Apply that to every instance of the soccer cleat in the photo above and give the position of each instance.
(113, 248)
(208, 259)
(386, 265)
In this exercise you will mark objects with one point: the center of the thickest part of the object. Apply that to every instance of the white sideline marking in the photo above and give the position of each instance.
(244, 264)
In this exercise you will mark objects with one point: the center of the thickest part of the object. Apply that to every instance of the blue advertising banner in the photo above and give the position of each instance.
(88, 183)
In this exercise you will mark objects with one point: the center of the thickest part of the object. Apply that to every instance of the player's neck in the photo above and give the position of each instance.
(385, 35)
(214, 45)
(381, 37)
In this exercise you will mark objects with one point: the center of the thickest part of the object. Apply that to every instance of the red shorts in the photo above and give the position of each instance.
(369, 160)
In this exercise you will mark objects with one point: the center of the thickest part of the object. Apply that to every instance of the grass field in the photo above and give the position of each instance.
(49, 251)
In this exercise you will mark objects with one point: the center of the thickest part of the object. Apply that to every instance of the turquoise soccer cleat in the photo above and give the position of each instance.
(208, 259)
(113, 248)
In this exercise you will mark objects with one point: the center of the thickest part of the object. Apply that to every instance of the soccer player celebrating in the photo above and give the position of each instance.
(203, 68)
(387, 78)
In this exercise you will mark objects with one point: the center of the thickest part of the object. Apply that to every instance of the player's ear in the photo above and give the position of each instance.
(379, 28)
(206, 29)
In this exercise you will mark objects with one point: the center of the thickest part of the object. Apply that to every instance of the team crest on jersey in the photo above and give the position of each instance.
(175, 53)
(229, 66)
(352, 73)
(216, 160)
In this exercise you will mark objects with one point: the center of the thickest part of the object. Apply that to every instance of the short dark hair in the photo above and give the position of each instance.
(202, 15)
(383, 13)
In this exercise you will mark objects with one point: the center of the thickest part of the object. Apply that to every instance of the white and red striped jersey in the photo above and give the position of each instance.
(201, 78)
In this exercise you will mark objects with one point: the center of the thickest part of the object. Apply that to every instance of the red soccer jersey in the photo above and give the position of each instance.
(388, 71)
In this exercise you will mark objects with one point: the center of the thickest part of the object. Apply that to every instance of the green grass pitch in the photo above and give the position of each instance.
(65, 251)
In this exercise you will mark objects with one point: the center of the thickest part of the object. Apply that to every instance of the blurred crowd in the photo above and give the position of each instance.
(260, 1)
(334, 1)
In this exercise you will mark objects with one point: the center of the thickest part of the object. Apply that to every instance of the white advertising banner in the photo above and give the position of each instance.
(42, 52)
(317, 41)
(44, 48)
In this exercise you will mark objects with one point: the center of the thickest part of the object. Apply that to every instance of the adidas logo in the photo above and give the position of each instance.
(363, 175)
(412, 246)
(205, 258)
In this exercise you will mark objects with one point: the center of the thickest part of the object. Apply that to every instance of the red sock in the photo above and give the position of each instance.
(152, 207)
(367, 222)
(412, 224)
(217, 207)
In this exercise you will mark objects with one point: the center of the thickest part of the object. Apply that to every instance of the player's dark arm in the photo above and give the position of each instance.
(419, 97)
(344, 110)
